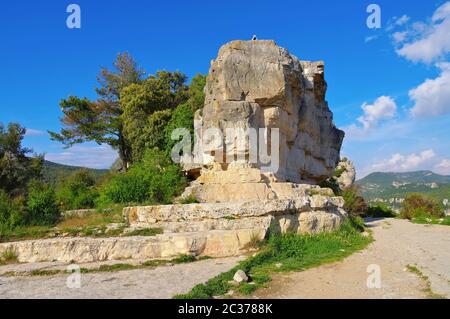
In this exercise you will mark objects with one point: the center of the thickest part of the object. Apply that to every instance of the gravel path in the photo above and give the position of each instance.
(157, 283)
(398, 243)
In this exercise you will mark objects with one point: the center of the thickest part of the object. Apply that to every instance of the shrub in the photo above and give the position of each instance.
(77, 191)
(11, 212)
(155, 179)
(417, 205)
(42, 205)
(355, 204)
(380, 210)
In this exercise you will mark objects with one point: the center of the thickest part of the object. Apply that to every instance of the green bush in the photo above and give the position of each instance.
(11, 213)
(416, 206)
(355, 204)
(379, 211)
(155, 179)
(77, 191)
(42, 206)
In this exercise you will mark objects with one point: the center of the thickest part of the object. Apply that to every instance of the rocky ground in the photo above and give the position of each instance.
(157, 283)
(398, 243)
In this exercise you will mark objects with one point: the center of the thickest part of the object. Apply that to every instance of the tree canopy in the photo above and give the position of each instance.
(16, 167)
(100, 121)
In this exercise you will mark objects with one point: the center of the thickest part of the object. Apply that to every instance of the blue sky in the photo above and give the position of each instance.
(389, 88)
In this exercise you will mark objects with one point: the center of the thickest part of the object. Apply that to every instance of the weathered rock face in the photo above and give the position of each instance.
(257, 84)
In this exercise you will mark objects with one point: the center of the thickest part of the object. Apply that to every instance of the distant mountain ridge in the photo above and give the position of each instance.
(395, 186)
(52, 171)
(408, 177)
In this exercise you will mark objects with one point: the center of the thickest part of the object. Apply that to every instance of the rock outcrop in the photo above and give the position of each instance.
(346, 174)
(257, 84)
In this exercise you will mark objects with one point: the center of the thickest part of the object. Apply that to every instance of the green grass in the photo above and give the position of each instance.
(294, 252)
(432, 220)
(38, 273)
(427, 290)
(145, 232)
(189, 200)
(24, 233)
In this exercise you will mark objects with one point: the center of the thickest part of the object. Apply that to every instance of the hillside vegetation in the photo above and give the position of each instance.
(391, 186)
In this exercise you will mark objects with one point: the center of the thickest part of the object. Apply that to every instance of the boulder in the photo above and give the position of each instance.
(240, 276)
(257, 84)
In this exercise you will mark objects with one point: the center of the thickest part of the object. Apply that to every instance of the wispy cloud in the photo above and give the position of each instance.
(33, 132)
(383, 108)
(370, 38)
(401, 163)
(443, 167)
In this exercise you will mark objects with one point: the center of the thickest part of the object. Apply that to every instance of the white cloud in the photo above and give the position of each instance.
(101, 156)
(383, 108)
(401, 163)
(430, 41)
(400, 37)
(432, 97)
(443, 167)
(402, 20)
(33, 132)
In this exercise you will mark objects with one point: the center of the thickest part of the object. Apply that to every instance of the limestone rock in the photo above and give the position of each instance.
(347, 174)
(240, 276)
(257, 84)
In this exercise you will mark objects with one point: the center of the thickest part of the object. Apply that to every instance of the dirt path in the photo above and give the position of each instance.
(398, 243)
(161, 282)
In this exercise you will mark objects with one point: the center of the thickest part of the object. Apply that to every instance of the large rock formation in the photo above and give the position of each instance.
(251, 85)
(257, 84)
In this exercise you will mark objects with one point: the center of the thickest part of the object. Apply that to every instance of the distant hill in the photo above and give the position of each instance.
(52, 171)
(392, 187)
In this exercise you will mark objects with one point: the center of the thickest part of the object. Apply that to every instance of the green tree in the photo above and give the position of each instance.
(42, 206)
(101, 120)
(147, 109)
(183, 115)
(77, 191)
(16, 167)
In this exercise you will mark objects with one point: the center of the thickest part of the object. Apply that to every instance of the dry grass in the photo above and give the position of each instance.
(93, 219)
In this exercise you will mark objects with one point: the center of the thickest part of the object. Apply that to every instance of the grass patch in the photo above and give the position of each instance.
(92, 219)
(427, 290)
(116, 267)
(294, 253)
(92, 225)
(144, 232)
(182, 259)
(430, 220)
(9, 256)
(191, 199)
(45, 272)
(24, 233)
